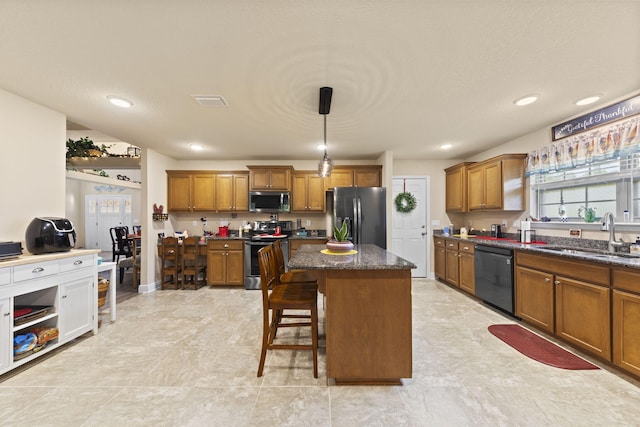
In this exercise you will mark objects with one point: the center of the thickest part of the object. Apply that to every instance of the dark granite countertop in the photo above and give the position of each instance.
(369, 257)
(307, 237)
(585, 251)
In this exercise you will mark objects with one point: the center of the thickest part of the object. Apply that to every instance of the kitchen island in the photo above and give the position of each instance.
(367, 313)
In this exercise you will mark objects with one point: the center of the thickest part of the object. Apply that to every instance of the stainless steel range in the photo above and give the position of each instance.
(264, 233)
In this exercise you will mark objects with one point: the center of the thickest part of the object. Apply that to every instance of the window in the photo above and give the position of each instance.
(608, 186)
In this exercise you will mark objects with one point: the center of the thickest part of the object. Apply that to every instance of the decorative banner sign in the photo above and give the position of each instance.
(597, 118)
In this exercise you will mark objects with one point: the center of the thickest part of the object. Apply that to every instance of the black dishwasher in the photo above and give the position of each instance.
(494, 276)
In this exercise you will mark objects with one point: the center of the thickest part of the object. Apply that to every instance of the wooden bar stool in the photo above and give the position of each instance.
(300, 277)
(193, 267)
(170, 259)
(278, 297)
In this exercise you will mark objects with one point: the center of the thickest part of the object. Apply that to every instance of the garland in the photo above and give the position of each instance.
(405, 202)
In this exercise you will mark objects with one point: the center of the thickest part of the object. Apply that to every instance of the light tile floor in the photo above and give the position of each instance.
(189, 358)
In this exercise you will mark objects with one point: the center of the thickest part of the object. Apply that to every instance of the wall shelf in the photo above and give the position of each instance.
(160, 217)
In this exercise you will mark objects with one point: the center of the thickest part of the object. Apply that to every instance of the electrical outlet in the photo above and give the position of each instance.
(504, 222)
(195, 223)
(308, 223)
(575, 232)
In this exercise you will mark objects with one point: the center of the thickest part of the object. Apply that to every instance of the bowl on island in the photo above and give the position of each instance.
(336, 246)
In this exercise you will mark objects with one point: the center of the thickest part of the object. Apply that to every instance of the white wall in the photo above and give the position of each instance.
(32, 165)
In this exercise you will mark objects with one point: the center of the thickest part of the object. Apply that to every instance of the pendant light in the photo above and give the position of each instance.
(325, 166)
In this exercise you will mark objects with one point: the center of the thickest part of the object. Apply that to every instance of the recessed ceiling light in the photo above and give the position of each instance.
(589, 99)
(527, 99)
(446, 146)
(196, 147)
(120, 102)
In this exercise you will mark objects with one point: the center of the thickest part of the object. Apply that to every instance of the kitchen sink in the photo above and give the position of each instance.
(593, 253)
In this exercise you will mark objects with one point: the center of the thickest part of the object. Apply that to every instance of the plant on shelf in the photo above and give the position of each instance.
(84, 147)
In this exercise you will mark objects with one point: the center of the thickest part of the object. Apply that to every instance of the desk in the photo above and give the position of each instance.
(367, 314)
(111, 268)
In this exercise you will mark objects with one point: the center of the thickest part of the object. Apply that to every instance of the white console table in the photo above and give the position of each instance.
(110, 267)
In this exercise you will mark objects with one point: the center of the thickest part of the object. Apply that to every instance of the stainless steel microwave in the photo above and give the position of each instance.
(268, 201)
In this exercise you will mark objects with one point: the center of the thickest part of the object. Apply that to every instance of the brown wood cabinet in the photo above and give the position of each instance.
(232, 192)
(354, 176)
(456, 188)
(225, 262)
(440, 258)
(534, 298)
(270, 178)
(308, 193)
(580, 304)
(497, 184)
(626, 319)
(454, 263)
(190, 191)
(467, 274)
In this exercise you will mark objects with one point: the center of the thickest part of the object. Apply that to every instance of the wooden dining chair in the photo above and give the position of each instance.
(193, 266)
(299, 277)
(277, 300)
(170, 263)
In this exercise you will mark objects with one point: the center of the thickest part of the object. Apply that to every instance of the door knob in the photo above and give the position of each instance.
(423, 233)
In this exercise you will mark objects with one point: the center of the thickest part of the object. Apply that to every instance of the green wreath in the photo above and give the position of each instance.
(405, 202)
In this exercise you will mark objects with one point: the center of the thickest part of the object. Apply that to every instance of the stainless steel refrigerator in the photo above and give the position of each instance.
(364, 209)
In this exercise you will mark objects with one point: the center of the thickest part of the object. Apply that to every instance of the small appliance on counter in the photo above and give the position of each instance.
(47, 234)
(10, 250)
(496, 230)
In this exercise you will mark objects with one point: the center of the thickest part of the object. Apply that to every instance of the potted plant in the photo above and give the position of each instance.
(340, 241)
(84, 147)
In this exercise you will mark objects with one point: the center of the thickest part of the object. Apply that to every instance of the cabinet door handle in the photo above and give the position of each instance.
(6, 314)
(78, 262)
(37, 270)
(547, 280)
(557, 282)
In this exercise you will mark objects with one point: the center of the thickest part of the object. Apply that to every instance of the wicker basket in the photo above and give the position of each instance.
(103, 288)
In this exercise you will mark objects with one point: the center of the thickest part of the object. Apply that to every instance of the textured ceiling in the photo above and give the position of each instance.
(407, 76)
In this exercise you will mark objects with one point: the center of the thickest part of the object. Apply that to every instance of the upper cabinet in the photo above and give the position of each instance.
(456, 187)
(497, 184)
(232, 192)
(190, 191)
(354, 176)
(270, 178)
(308, 194)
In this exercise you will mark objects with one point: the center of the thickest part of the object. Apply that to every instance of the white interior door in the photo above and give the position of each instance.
(410, 234)
(102, 213)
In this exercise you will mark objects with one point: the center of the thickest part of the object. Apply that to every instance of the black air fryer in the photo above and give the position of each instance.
(45, 235)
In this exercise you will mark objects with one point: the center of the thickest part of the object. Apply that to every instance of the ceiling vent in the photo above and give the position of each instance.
(210, 100)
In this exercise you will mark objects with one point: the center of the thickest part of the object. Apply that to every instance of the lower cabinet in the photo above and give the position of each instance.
(76, 300)
(225, 262)
(565, 297)
(467, 268)
(62, 293)
(454, 263)
(534, 298)
(626, 320)
(583, 315)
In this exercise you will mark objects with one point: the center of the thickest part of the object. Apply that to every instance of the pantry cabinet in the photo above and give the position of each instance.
(59, 290)
(497, 184)
(626, 319)
(232, 192)
(190, 191)
(456, 187)
(270, 178)
(308, 193)
(354, 176)
(225, 262)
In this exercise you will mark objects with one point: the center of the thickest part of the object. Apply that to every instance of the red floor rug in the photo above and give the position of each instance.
(538, 348)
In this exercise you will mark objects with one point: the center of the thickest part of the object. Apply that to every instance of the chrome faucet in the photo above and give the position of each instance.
(608, 224)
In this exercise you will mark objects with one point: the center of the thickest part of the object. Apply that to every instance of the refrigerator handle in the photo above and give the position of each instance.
(355, 224)
(359, 228)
